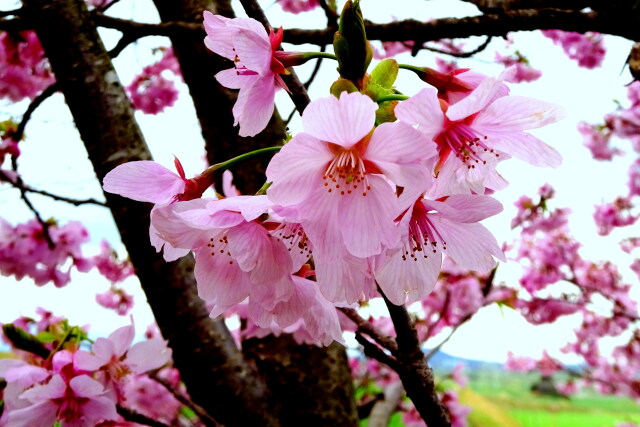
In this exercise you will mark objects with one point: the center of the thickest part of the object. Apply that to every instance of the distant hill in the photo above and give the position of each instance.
(442, 362)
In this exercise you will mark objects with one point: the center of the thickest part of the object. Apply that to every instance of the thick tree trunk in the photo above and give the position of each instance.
(214, 371)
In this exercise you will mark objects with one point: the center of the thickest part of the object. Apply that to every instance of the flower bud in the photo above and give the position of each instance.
(350, 44)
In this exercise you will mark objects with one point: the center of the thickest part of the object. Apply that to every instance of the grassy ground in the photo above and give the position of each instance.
(510, 396)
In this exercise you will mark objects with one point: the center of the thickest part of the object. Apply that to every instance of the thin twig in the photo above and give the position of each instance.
(332, 16)
(37, 101)
(469, 54)
(76, 202)
(366, 328)
(200, 412)
(374, 352)
(137, 417)
(23, 194)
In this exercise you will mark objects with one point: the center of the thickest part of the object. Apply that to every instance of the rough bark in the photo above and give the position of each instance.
(313, 384)
(213, 103)
(213, 369)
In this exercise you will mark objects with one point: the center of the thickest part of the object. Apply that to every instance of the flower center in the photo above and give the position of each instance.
(423, 236)
(293, 237)
(218, 246)
(346, 174)
(465, 143)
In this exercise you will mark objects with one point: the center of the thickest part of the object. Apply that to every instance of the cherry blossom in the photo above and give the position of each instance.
(587, 49)
(474, 133)
(257, 70)
(431, 228)
(332, 173)
(297, 6)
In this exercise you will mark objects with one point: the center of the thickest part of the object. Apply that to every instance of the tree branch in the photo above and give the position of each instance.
(374, 352)
(497, 25)
(417, 378)
(366, 328)
(37, 101)
(20, 185)
(468, 54)
(136, 417)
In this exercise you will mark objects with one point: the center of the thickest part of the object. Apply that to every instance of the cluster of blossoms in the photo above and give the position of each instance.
(54, 380)
(624, 123)
(150, 91)
(587, 49)
(24, 70)
(551, 256)
(49, 256)
(524, 71)
(298, 6)
(370, 192)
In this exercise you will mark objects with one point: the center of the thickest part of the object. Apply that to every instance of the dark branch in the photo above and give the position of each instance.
(497, 25)
(37, 101)
(137, 417)
(139, 30)
(374, 352)
(76, 202)
(368, 329)
(23, 194)
(417, 378)
(469, 54)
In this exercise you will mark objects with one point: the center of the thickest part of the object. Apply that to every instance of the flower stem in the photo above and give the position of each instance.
(393, 97)
(227, 164)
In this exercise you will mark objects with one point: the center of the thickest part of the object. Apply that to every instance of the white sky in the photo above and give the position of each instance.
(53, 146)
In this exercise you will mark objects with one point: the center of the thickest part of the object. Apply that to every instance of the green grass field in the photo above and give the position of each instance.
(507, 394)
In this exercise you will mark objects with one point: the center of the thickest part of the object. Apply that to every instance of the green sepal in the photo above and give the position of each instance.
(385, 73)
(342, 85)
(385, 112)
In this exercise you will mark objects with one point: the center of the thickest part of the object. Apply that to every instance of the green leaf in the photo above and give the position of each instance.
(385, 73)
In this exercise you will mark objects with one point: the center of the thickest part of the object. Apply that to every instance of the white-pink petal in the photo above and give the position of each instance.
(148, 355)
(401, 153)
(343, 121)
(255, 105)
(422, 109)
(476, 100)
(144, 181)
(528, 148)
(296, 171)
(407, 280)
(517, 113)
(367, 222)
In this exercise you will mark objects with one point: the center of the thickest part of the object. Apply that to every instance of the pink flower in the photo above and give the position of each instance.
(588, 49)
(596, 139)
(523, 71)
(148, 181)
(333, 174)
(117, 358)
(236, 256)
(77, 402)
(297, 6)
(475, 132)
(257, 69)
(430, 228)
